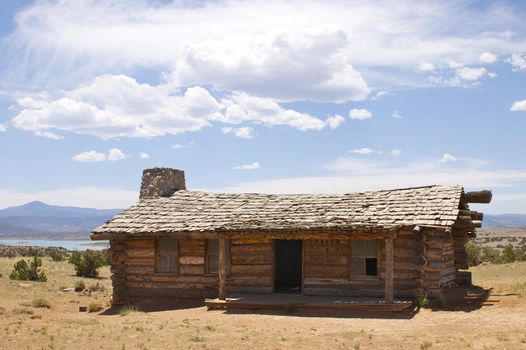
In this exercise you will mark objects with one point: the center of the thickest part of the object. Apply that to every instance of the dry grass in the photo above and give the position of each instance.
(501, 325)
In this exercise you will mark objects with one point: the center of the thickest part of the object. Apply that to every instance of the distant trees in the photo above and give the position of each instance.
(477, 254)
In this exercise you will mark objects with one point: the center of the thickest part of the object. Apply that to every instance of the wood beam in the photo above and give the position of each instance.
(389, 270)
(222, 268)
(483, 196)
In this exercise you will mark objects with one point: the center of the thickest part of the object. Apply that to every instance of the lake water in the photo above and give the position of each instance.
(69, 245)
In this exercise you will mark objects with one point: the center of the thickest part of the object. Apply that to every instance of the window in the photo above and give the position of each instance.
(167, 256)
(364, 258)
(212, 256)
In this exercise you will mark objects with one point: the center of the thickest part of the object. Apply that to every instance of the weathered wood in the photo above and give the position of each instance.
(192, 270)
(251, 270)
(192, 260)
(222, 268)
(389, 267)
(483, 196)
(139, 243)
(140, 253)
(251, 259)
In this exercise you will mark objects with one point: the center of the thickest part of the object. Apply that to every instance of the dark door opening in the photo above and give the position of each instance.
(288, 257)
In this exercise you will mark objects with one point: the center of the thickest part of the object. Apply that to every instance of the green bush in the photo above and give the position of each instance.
(473, 252)
(87, 262)
(508, 254)
(422, 301)
(56, 256)
(28, 272)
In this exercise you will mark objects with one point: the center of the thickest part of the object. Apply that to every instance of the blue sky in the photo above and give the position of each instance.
(261, 96)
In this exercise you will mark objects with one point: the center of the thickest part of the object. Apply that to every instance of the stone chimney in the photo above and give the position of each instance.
(161, 182)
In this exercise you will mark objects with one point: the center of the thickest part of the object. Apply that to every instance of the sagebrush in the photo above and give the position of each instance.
(28, 272)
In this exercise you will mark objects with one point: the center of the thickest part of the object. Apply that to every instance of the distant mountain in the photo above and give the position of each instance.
(37, 219)
(504, 220)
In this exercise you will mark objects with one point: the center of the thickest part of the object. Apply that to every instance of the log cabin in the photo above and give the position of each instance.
(394, 244)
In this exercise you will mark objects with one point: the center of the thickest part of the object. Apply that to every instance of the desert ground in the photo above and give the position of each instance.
(498, 322)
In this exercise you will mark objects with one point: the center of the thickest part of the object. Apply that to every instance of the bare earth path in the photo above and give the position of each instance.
(498, 324)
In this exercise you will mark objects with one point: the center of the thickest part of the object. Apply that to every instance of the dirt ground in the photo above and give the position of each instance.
(498, 323)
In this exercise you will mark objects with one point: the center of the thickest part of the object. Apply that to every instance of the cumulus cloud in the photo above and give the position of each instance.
(178, 146)
(118, 106)
(49, 135)
(244, 132)
(518, 106)
(488, 57)
(3, 127)
(90, 156)
(363, 150)
(379, 95)
(447, 158)
(144, 155)
(335, 121)
(115, 154)
(426, 67)
(397, 115)
(471, 74)
(396, 152)
(360, 114)
(517, 61)
(251, 166)
(311, 51)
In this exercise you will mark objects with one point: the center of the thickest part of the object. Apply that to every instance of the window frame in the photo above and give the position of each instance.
(352, 275)
(158, 257)
(207, 272)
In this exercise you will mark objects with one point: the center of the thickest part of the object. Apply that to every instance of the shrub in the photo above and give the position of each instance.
(40, 302)
(422, 301)
(508, 255)
(56, 256)
(96, 288)
(128, 309)
(87, 262)
(473, 254)
(79, 286)
(24, 272)
(94, 307)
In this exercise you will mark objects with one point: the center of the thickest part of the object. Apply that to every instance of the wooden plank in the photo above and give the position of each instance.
(140, 253)
(251, 249)
(326, 259)
(222, 268)
(389, 271)
(192, 270)
(251, 259)
(192, 260)
(326, 271)
(140, 243)
(252, 270)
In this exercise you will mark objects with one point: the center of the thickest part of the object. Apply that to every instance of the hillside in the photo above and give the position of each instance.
(38, 220)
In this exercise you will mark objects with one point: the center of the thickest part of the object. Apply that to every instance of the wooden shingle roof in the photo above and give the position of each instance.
(193, 211)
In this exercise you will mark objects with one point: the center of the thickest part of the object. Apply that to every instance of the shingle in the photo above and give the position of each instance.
(208, 211)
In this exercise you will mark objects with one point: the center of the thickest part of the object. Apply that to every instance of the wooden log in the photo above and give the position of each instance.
(140, 243)
(326, 259)
(251, 249)
(140, 253)
(477, 223)
(243, 259)
(483, 196)
(222, 268)
(252, 270)
(192, 260)
(192, 270)
(389, 273)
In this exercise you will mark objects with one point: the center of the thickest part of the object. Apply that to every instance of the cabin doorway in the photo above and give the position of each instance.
(288, 266)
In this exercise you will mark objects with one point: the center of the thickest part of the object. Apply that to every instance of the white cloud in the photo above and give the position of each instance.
(243, 132)
(379, 95)
(178, 146)
(360, 114)
(488, 57)
(517, 61)
(49, 135)
(90, 156)
(144, 155)
(492, 75)
(397, 115)
(518, 106)
(251, 166)
(304, 50)
(115, 154)
(335, 121)
(446, 158)
(363, 150)
(83, 196)
(396, 152)
(241, 107)
(3, 127)
(471, 74)
(426, 67)
(118, 106)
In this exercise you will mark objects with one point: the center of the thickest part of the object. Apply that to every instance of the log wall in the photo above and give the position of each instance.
(251, 266)
(135, 278)
(438, 271)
